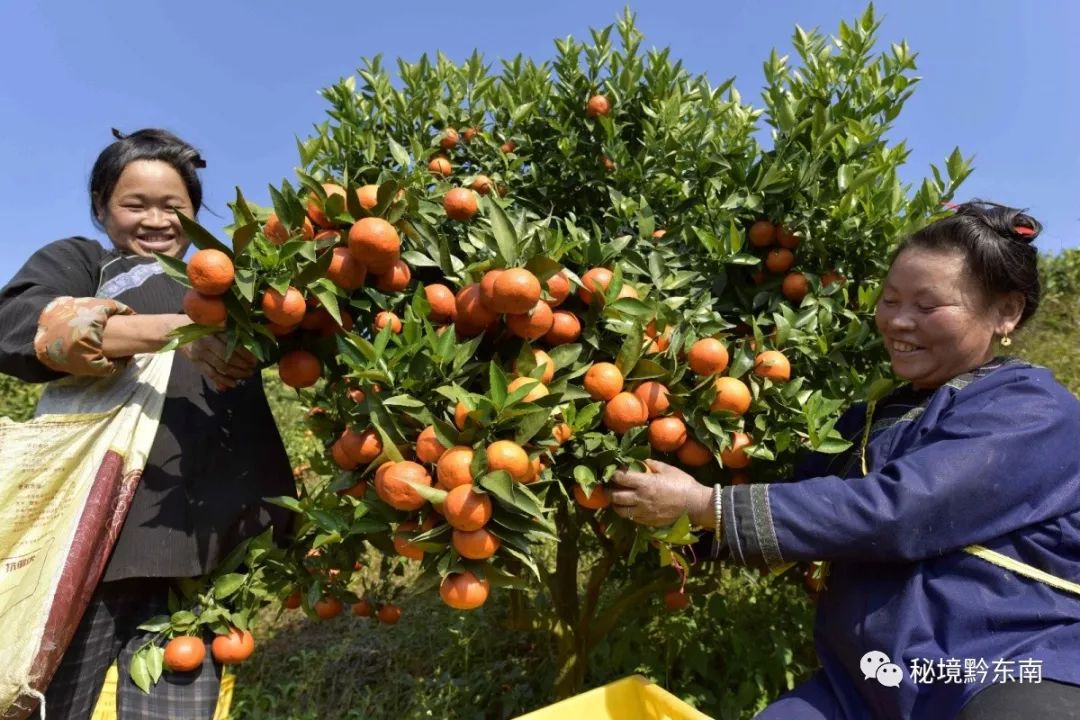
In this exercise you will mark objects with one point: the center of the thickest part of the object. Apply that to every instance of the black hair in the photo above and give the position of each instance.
(996, 242)
(146, 144)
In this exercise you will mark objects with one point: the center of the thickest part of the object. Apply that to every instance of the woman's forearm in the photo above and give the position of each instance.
(127, 335)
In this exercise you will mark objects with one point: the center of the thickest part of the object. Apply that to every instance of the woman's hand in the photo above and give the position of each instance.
(208, 355)
(660, 497)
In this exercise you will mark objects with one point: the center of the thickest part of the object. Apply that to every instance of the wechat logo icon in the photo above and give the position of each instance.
(876, 665)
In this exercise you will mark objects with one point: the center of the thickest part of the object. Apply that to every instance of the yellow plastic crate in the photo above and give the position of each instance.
(632, 698)
(106, 703)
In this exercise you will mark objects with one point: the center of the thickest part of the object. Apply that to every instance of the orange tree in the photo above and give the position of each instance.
(493, 288)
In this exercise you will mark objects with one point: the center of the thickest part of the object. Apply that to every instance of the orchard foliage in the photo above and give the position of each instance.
(638, 206)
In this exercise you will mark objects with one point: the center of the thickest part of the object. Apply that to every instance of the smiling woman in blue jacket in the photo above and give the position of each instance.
(952, 526)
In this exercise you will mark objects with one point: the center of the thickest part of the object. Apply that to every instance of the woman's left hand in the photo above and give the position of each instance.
(660, 497)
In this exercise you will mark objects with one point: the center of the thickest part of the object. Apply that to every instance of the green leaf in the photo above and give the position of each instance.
(174, 268)
(156, 624)
(226, 585)
(155, 662)
(400, 155)
(498, 383)
(139, 671)
(506, 238)
(200, 237)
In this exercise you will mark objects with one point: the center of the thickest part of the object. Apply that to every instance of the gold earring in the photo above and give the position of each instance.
(1005, 341)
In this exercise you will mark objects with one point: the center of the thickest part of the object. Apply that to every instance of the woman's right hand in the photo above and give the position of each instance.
(208, 355)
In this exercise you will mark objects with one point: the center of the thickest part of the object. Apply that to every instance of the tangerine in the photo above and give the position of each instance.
(603, 381)
(732, 395)
(205, 309)
(708, 356)
(593, 281)
(597, 499)
(509, 456)
(439, 165)
(598, 105)
(475, 544)
(315, 208)
(654, 395)
(667, 434)
(779, 260)
(558, 288)
(299, 369)
(394, 486)
(395, 279)
(537, 391)
(345, 270)
(565, 328)
(454, 467)
(693, 454)
(234, 648)
(481, 184)
(735, 455)
(375, 244)
(623, 412)
(515, 290)
(385, 318)
(441, 300)
(184, 653)
(463, 591)
(466, 509)
(428, 447)
(541, 360)
(211, 272)
(460, 204)
(762, 233)
(772, 364)
(533, 324)
(795, 287)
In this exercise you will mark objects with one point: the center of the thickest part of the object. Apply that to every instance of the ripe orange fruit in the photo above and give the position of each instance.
(211, 272)
(537, 391)
(362, 447)
(315, 210)
(359, 490)
(708, 356)
(481, 184)
(341, 457)
(393, 485)
(439, 165)
(328, 608)
(762, 233)
(476, 544)
(461, 415)
(786, 238)
(772, 364)
(654, 396)
(460, 204)
(428, 447)
(441, 300)
(659, 233)
(667, 434)
(595, 280)
(293, 601)
(375, 244)
(597, 499)
(598, 105)
(516, 290)
(469, 133)
(675, 600)
(694, 454)
(463, 591)
(508, 147)
(402, 545)
(487, 288)
(509, 456)
(287, 309)
(346, 271)
(609, 164)
(623, 412)
(389, 614)
(795, 287)
(277, 233)
(368, 195)
(565, 328)
(732, 395)
(562, 432)
(779, 260)
(184, 653)
(735, 456)
(280, 330)
(830, 277)
(533, 324)
(543, 361)
(205, 309)
(299, 369)
(473, 317)
(395, 279)
(234, 648)
(558, 288)
(362, 608)
(466, 509)
(385, 318)
(449, 139)
(603, 381)
(454, 467)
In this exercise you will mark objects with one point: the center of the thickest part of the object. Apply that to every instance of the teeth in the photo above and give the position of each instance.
(903, 347)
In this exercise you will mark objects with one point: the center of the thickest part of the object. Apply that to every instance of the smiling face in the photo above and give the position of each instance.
(935, 319)
(140, 216)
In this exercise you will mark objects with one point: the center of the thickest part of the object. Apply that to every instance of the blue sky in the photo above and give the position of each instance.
(240, 79)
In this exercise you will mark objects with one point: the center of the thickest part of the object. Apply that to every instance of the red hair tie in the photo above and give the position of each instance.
(1023, 230)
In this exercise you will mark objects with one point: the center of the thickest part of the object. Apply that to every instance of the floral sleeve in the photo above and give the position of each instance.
(70, 332)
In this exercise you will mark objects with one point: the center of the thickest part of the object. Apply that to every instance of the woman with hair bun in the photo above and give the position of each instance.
(951, 528)
(77, 308)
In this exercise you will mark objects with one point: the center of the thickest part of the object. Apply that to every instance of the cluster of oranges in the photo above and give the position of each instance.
(211, 274)
(780, 244)
(185, 653)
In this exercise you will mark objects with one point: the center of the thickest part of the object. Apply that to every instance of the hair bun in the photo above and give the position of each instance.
(1024, 229)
